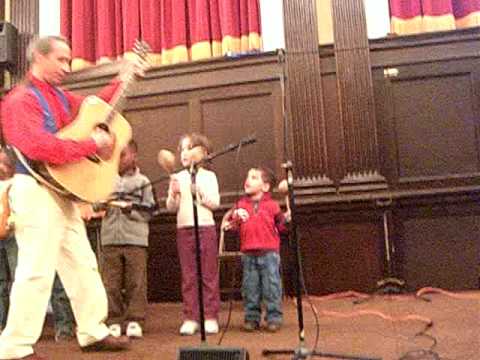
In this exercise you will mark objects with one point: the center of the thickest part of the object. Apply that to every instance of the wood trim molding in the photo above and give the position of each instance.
(356, 99)
(304, 95)
(24, 15)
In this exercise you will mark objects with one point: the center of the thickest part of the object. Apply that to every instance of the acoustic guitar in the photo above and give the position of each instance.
(91, 179)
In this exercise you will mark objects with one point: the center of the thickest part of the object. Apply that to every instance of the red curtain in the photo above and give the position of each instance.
(176, 30)
(413, 16)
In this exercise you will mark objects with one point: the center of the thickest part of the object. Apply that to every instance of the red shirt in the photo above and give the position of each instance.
(261, 230)
(22, 122)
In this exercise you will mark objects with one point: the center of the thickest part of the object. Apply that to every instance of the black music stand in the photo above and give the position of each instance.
(390, 284)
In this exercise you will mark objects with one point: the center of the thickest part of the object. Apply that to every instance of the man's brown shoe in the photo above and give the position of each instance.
(110, 343)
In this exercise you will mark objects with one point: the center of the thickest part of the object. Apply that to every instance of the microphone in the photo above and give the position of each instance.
(166, 159)
(248, 140)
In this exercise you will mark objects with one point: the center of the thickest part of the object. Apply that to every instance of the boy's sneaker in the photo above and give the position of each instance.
(250, 326)
(115, 330)
(134, 330)
(189, 327)
(273, 326)
(211, 326)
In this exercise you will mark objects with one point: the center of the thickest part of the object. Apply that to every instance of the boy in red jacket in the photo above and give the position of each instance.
(259, 220)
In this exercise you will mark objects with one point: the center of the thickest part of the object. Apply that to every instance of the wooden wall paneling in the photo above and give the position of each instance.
(424, 48)
(25, 17)
(429, 130)
(225, 116)
(215, 73)
(163, 268)
(335, 137)
(356, 101)
(439, 245)
(341, 251)
(305, 109)
(236, 114)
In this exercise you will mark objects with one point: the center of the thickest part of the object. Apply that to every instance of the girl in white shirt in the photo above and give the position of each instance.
(180, 199)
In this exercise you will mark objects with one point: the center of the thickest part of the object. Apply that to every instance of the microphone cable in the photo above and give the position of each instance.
(238, 161)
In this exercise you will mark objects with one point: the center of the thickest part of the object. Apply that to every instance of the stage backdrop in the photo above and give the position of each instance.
(414, 16)
(176, 30)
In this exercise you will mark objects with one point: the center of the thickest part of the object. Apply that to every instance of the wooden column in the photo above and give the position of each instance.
(24, 15)
(356, 100)
(304, 100)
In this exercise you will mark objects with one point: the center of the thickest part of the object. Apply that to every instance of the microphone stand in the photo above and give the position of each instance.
(301, 352)
(198, 252)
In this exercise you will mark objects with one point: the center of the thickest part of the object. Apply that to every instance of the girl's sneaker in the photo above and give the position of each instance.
(189, 327)
(211, 326)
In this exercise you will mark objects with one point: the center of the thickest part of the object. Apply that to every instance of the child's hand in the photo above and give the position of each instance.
(174, 186)
(228, 225)
(288, 215)
(241, 214)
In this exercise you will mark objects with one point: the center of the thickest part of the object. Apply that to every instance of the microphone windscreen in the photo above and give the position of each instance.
(166, 159)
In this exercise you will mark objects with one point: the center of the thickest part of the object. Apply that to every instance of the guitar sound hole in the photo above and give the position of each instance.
(104, 127)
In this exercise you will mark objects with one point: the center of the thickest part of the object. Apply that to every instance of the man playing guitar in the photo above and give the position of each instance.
(50, 233)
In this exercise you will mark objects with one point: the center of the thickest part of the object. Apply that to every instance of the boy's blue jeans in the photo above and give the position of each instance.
(262, 283)
(62, 310)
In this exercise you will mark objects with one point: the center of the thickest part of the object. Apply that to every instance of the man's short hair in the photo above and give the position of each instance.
(43, 45)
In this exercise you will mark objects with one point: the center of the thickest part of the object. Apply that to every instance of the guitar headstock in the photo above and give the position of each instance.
(141, 49)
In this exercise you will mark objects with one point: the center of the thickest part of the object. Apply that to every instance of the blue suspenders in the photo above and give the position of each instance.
(48, 120)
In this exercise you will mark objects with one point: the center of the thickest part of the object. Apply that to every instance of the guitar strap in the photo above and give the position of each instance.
(48, 120)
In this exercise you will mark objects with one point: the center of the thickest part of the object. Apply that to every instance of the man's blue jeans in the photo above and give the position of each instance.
(262, 283)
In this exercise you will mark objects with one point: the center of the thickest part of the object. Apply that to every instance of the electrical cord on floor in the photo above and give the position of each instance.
(230, 302)
(227, 325)
(423, 354)
(420, 354)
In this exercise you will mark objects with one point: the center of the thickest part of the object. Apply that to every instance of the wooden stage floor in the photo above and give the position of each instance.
(447, 327)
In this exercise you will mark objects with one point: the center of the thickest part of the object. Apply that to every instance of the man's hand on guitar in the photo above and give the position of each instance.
(105, 143)
(136, 62)
(133, 66)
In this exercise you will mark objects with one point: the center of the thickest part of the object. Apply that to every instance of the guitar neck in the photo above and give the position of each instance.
(119, 98)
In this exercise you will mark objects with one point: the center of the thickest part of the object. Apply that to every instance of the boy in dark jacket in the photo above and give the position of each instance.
(259, 220)
(124, 237)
